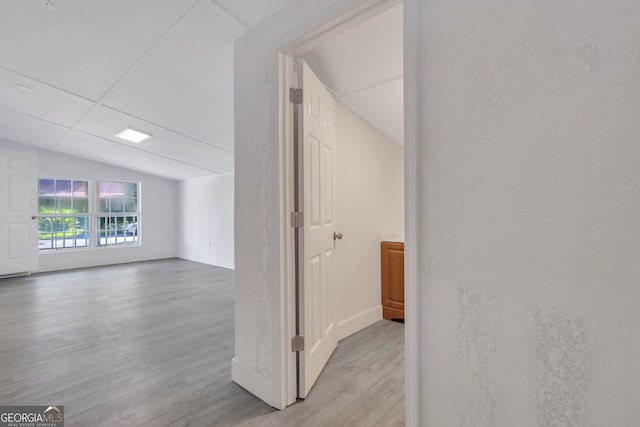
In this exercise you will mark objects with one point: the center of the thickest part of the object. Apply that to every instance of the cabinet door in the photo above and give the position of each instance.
(392, 280)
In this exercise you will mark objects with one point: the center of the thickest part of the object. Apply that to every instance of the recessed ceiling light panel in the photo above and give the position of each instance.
(132, 135)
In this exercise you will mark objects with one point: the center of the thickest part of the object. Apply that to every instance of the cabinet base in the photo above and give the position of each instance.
(389, 313)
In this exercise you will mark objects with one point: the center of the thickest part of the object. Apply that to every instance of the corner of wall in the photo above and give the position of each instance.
(253, 382)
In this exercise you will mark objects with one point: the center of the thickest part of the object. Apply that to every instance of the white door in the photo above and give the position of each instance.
(316, 265)
(18, 213)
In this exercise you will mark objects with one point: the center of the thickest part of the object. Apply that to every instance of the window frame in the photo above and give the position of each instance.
(136, 239)
(92, 217)
(71, 215)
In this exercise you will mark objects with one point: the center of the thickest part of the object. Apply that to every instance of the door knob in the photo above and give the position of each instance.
(34, 216)
(337, 236)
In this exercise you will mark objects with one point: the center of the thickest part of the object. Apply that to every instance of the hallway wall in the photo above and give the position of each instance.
(525, 165)
(369, 209)
(260, 357)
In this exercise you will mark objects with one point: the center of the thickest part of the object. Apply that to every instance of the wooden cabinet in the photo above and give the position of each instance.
(392, 256)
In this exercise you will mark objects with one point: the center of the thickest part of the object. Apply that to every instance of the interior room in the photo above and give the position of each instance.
(63, 107)
(148, 232)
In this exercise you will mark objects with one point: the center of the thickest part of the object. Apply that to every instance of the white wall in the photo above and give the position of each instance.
(158, 212)
(205, 220)
(522, 184)
(527, 182)
(369, 209)
(260, 269)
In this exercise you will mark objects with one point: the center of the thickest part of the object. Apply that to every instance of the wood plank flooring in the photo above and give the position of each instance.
(150, 344)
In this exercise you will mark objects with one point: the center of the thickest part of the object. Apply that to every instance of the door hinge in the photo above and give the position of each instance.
(297, 343)
(295, 95)
(297, 219)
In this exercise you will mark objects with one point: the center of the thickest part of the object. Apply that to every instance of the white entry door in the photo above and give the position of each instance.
(316, 262)
(18, 213)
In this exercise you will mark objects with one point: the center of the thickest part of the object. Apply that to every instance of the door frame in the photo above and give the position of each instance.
(288, 78)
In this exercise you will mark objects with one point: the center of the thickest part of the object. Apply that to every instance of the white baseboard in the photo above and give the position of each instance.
(359, 321)
(252, 381)
(227, 263)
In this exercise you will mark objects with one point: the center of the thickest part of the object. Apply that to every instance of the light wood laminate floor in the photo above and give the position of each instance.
(150, 344)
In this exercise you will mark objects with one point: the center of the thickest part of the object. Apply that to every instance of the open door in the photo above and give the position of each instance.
(18, 213)
(316, 274)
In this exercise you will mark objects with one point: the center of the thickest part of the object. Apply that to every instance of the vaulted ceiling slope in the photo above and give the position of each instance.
(73, 73)
(363, 67)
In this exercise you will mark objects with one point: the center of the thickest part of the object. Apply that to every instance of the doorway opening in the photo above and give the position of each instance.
(360, 62)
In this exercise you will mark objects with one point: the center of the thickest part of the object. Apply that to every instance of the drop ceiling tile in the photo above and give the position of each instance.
(16, 127)
(105, 122)
(251, 12)
(204, 156)
(33, 98)
(82, 46)
(382, 106)
(185, 83)
(97, 149)
(363, 56)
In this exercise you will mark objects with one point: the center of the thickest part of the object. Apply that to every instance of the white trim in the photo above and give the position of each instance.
(252, 381)
(289, 392)
(360, 321)
(411, 169)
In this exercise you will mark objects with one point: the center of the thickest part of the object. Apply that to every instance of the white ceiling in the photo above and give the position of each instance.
(75, 74)
(363, 67)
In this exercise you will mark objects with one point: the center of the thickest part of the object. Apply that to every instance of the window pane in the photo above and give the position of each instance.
(103, 206)
(46, 205)
(114, 227)
(82, 225)
(82, 232)
(117, 189)
(46, 187)
(80, 189)
(117, 205)
(130, 189)
(103, 189)
(63, 187)
(80, 205)
(131, 205)
(63, 205)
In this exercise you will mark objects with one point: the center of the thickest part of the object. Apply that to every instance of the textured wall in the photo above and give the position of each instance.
(528, 232)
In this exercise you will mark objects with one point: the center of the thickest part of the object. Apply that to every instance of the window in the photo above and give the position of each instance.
(117, 213)
(63, 220)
